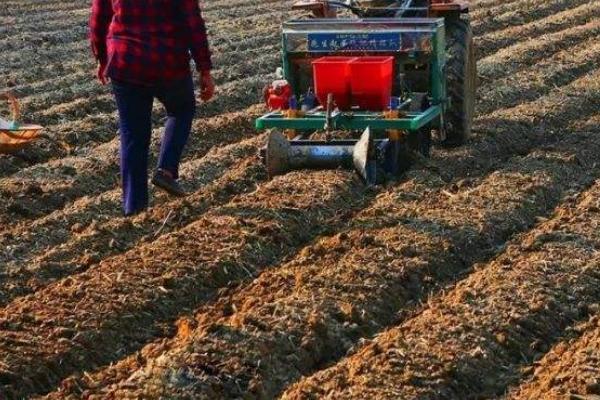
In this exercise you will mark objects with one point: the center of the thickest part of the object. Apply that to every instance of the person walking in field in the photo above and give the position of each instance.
(144, 49)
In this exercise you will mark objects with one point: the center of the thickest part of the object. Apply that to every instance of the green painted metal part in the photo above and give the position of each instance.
(349, 121)
(430, 50)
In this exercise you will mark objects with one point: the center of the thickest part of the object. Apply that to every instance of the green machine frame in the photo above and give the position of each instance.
(414, 41)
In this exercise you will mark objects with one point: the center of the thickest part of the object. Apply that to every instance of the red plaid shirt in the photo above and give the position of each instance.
(148, 41)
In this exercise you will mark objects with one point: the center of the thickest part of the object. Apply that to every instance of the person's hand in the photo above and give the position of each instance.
(207, 86)
(100, 73)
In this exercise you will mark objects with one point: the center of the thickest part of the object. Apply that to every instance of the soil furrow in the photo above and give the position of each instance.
(90, 134)
(478, 9)
(570, 369)
(499, 41)
(41, 151)
(241, 91)
(89, 319)
(100, 128)
(469, 278)
(42, 197)
(36, 32)
(432, 204)
(79, 17)
(295, 319)
(44, 188)
(524, 12)
(52, 248)
(510, 60)
(10, 164)
(537, 80)
(506, 313)
(253, 36)
(219, 32)
(76, 81)
(223, 44)
(44, 10)
(231, 96)
(562, 105)
(541, 119)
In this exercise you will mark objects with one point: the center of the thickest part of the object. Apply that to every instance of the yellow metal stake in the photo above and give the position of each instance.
(291, 133)
(393, 134)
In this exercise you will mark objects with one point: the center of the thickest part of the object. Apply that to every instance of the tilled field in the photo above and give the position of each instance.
(475, 276)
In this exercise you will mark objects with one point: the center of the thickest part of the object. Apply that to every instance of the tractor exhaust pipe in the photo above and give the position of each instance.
(283, 155)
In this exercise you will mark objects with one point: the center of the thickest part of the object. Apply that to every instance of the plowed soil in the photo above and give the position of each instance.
(474, 276)
(569, 369)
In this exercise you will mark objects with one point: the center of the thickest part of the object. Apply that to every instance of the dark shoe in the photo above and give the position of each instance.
(133, 213)
(168, 184)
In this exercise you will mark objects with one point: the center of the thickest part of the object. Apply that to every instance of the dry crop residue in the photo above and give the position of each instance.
(471, 277)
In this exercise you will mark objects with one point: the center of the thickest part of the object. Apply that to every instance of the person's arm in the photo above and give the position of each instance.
(198, 37)
(199, 46)
(100, 19)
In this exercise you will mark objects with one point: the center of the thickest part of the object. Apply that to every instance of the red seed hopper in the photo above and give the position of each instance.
(364, 85)
(365, 81)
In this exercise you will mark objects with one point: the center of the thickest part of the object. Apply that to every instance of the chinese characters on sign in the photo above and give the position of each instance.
(354, 42)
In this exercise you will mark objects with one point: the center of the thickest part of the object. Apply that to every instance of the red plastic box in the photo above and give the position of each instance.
(331, 74)
(371, 82)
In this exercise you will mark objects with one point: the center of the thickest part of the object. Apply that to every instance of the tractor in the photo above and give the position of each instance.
(369, 85)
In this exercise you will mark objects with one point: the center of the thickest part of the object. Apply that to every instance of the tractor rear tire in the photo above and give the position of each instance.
(461, 68)
(420, 141)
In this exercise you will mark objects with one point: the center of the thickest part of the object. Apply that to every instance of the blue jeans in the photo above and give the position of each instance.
(135, 124)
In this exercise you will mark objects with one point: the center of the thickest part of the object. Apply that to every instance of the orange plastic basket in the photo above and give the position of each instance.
(17, 136)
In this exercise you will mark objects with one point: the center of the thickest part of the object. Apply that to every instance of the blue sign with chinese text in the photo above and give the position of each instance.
(354, 42)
